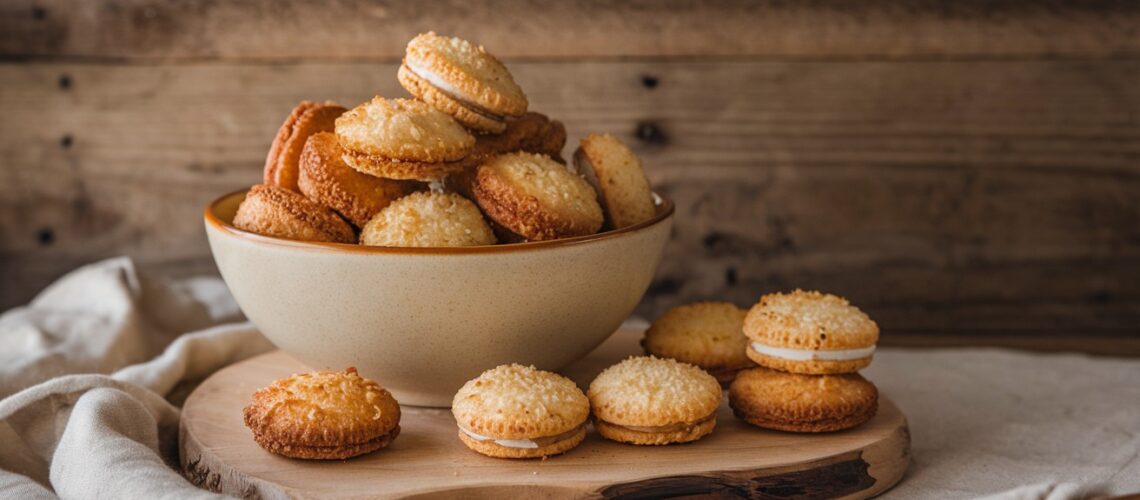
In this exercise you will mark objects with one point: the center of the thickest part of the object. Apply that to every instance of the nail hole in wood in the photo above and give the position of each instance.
(65, 141)
(730, 276)
(38, 13)
(65, 82)
(650, 133)
(46, 236)
(649, 81)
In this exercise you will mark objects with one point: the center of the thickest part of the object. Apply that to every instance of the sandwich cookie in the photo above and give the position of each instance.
(802, 403)
(323, 415)
(706, 334)
(653, 401)
(809, 332)
(279, 212)
(283, 162)
(326, 180)
(428, 219)
(462, 80)
(617, 175)
(515, 411)
(535, 197)
(402, 139)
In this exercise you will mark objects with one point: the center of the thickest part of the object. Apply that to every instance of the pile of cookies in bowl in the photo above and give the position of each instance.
(461, 163)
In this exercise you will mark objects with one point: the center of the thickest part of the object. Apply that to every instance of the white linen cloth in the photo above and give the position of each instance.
(93, 370)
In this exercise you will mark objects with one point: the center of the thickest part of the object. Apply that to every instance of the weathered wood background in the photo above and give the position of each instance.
(968, 172)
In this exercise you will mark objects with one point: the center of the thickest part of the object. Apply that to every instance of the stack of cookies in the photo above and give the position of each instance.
(461, 163)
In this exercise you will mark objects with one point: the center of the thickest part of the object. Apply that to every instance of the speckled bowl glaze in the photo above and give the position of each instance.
(422, 321)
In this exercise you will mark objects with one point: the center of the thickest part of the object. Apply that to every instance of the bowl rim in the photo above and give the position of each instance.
(664, 211)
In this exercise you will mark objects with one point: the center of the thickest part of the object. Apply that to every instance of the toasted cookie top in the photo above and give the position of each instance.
(427, 219)
(279, 212)
(327, 180)
(403, 129)
(809, 320)
(647, 391)
(797, 397)
(617, 174)
(536, 197)
(466, 71)
(323, 409)
(308, 118)
(706, 334)
(519, 402)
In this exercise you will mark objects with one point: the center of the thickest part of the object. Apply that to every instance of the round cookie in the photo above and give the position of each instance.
(536, 197)
(515, 411)
(705, 334)
(402, 139)
(616, 173)
(462, 80)
(323, 415)
(653, 401)
(275, 211)
(283, 162)
(428, 219)
(326, 180)
(802, 403)
(810, 333)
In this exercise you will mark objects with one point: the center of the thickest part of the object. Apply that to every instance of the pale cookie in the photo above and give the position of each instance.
(617, 175)
(428, 219)
(809, 332)
(402, 139)
(654, 401)
(706, 334)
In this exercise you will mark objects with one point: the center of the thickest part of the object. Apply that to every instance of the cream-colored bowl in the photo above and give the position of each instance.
(422, 321)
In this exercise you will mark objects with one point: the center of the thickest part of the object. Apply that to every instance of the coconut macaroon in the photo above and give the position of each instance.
(535, 197)
(402, 139)
(653, 401)
(617, 175)
(802, 403)
(283, 162)
(706, 334)
(515, 411)
(323, 415)
(279, 212)
(326, 180)
(428, 219)
(810, 333)
(462, 80)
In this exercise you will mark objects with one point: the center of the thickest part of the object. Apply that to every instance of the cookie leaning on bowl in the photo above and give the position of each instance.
(617, 175)
(810, 333)
(402, 139)
(652, 401)
(515, 411)
(323, 415)
(706, 334)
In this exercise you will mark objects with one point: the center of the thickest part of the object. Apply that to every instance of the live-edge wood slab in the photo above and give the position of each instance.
(428, 460)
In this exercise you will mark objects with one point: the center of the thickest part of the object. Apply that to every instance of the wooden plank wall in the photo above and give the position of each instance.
(968, 172)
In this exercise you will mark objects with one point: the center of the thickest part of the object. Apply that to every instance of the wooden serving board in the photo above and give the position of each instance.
(428, 460)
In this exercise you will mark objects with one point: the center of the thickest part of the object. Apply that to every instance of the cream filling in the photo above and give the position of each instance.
(442, 85)
(522, 443)
(812, 354)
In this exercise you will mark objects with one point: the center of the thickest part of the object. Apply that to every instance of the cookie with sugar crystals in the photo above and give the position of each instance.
(617, 175)
(402, 139)
(535, 197)
(706, 334)
(802, 403)
(282, 165)
(515, 411)
(810, 333)
(279, 212)
(323, 415)
(647, 400)
(462, 80)
(428, 219)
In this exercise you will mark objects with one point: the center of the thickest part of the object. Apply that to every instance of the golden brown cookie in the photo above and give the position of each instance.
(706, 334)
(616, 173)
(279, 212)
(462, 80)
(654, 401)
(531, 133)
(802, 403)
(326, 180)
(428, 219)
(515, 411)
(810, 332)
(402, 139)
(536, 197)
(308, 118)
(323, 415)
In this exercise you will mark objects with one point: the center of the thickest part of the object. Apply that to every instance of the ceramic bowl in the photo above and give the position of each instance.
(422, 321)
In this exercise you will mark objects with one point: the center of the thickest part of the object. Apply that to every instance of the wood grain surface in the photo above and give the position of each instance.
(427, 459)
(966, 172)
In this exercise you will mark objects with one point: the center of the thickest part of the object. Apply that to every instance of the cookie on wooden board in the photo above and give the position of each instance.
(647, 400)
(792, 402)
(810, 333)
(706, 334)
